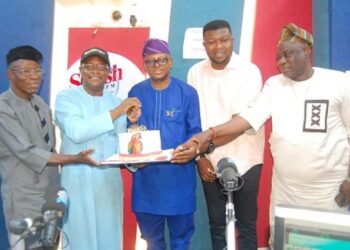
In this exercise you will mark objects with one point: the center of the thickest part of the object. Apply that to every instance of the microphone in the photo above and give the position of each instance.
(228, 174)
(20, 226)
(53, 209)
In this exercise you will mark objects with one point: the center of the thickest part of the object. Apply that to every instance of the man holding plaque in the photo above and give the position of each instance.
(165, 192)
(90, 116)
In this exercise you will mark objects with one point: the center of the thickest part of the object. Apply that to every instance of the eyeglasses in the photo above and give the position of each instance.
(159, 61)
(28, 72)
(98, 67)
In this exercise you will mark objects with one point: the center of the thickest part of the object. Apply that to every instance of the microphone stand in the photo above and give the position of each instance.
(230, 222)
(231, 181)
(229, 187)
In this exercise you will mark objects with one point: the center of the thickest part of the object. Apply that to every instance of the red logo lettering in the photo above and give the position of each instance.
(75, 79)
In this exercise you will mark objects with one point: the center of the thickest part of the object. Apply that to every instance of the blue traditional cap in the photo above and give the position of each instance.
(155, 46)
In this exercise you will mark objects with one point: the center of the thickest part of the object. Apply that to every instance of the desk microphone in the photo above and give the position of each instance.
(53, 209)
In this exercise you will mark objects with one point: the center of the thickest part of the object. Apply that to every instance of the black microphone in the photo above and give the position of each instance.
(228, 174)
(53, 209)
(20, 226)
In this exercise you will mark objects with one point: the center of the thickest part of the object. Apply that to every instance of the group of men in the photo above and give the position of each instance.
(310, 115)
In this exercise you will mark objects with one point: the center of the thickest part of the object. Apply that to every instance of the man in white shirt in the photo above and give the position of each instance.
(310, 111)
(226, 84)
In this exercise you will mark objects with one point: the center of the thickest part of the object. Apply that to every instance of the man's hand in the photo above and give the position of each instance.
(84, 157)
(133, 114)
(128, 103)
(185, 152)
(345, 189)
(343, 197)
(125, 106)
(191, 148)
(206, 170)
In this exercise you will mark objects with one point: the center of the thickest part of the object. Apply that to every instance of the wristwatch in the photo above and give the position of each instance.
(211, 147)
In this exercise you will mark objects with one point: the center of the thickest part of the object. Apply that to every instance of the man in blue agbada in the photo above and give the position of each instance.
(90, 117)
(165, 192)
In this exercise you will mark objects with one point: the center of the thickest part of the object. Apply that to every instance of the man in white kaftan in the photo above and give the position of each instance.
(91, 117)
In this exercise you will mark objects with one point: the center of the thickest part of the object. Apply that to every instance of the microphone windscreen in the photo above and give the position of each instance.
(228, 175)
(19, 226)
(225, 163)
(56, 198)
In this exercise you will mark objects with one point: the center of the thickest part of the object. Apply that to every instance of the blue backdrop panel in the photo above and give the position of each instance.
(320, 21)
(185, 14)
(25, 22)
(339, 34)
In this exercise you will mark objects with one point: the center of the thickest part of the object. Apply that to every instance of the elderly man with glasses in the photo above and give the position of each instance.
(28, 159)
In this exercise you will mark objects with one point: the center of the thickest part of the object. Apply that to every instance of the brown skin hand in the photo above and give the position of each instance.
(197, 144)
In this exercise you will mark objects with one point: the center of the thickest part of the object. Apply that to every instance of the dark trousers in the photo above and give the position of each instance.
(245, 204)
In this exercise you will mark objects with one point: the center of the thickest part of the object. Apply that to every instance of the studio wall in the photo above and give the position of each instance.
(329, 20)
(27, 22)
(339, 34)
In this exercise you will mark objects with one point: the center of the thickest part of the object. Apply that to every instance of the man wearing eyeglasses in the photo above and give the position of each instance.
(28, 159)
(165, 192)
(90, 116)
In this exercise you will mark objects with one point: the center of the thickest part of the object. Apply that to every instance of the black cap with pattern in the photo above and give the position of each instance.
(95, 52)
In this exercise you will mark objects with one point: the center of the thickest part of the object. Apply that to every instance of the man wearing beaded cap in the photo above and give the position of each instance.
(310, 111)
